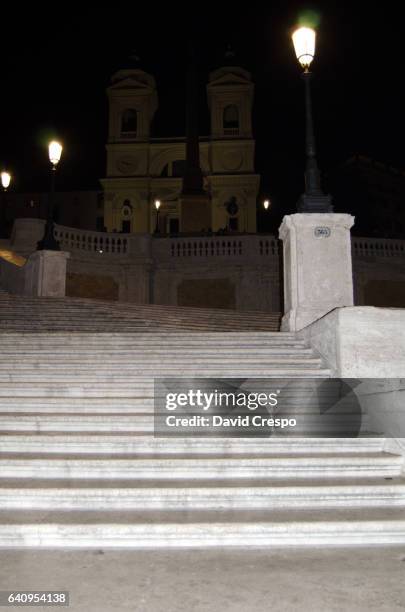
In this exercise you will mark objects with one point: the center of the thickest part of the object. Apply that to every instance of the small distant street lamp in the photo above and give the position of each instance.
(48, 242)
(157, 206)
(313, 200)
(266, 204)
(5, 180)
(5, 183)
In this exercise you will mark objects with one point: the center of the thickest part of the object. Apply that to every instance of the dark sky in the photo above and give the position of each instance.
(56, 61)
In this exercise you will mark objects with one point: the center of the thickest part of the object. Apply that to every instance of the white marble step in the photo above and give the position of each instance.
(135, 341)
(146, 444)
(155, 332)
(129, 372)
(72, 383)
(137, 388)
(73, 359)
(204, 467)
(329, 423)
(107, 363)
(95, 496)
(145, 350)
(86, 406)
(305, 527)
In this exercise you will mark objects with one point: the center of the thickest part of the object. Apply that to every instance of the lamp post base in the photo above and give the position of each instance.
(315, 203)
(48, 242)
(317, 262)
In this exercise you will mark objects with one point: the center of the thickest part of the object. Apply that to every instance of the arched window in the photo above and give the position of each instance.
(231, 120)
(129, 122)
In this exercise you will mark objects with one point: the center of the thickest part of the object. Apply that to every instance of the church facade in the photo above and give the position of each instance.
(141, 169)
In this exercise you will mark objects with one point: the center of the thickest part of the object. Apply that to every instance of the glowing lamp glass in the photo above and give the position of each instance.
(5, 179)
(157, 204)
(304, 45)
(55, 152)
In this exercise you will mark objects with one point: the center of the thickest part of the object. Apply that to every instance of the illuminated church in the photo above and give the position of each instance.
(141, 169)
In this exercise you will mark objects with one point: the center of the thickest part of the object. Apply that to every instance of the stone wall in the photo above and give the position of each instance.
(91, 286)
(190, 270)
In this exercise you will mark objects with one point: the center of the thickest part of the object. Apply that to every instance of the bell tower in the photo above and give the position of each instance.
(234, 184)
(230, 99)
(133, 102)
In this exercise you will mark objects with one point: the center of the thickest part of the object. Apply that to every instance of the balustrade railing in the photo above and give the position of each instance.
(220, 246)
(378, 247)
(208, 247)
(96, 242)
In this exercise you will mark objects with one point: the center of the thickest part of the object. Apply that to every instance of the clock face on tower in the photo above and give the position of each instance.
(126, 164)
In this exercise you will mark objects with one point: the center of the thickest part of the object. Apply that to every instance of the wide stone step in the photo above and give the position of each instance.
(98, 496)
(271, 528)
(138, 341)
(74, 363)
(181, 467)
(309, 422)
(131, 310)
(140, 444)
(96, 343)
(125, 383)
(181, 334)
(60, 323)
(37, 357)
(136, 406)
(30, 358)
(139, 388)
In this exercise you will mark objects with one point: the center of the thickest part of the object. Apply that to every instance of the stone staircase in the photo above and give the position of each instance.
(76, 314)
(80, 466)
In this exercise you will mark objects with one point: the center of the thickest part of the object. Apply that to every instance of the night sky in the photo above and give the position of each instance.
(55, 67)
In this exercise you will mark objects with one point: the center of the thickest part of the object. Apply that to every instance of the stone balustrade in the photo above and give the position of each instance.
(97, 242)
(264, 246)
(210, 247)
(378, 247)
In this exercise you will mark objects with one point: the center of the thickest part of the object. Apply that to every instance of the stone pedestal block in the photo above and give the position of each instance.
(317, 266)
(195, 213)
(46, 274)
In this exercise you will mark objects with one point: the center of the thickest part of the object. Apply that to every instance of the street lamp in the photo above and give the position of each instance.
(48, 242)
(5, 180)
(5, 183)
(313, 200)
(157, 206)
(266, 204)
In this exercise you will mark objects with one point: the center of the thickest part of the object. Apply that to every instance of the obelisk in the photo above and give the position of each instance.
(195, 203)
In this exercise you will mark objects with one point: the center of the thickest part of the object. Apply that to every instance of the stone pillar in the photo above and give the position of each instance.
(317, 266)
(45, 274)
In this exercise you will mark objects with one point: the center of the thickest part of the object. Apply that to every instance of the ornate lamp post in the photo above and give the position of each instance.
(313, 200)
(48, 242)
(157, 206)
(5, 183)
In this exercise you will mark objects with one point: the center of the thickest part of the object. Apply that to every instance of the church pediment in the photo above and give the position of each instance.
(223, 77)
(129, 83)
(229, 79)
